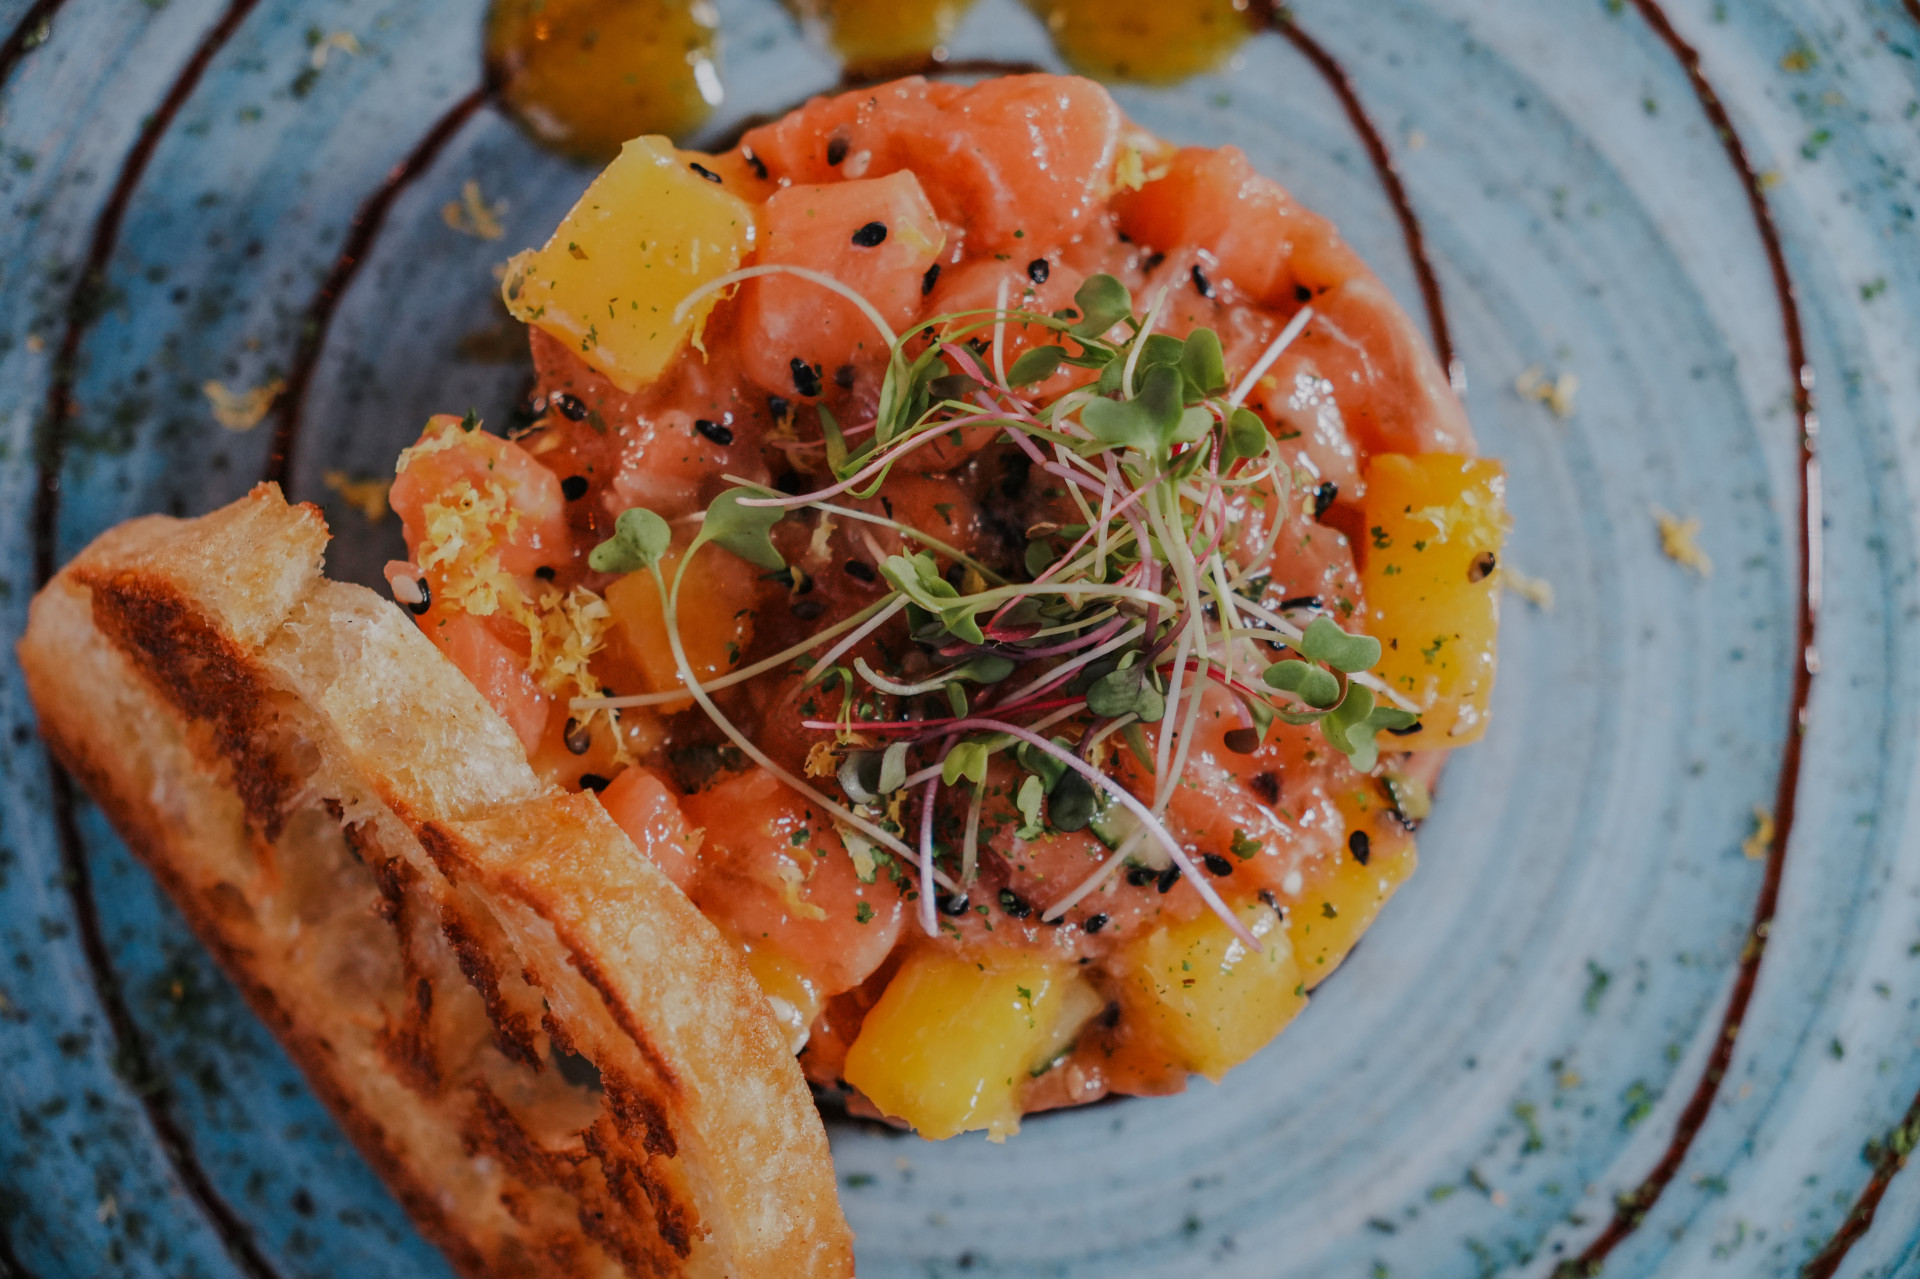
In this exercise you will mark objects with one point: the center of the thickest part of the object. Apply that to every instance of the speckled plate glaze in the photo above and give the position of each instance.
(1585, 1029)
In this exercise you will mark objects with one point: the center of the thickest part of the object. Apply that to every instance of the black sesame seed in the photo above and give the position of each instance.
(544, 572)
(1360, 846)
(1201, 284)
(1217, 865)
(759, 165)
(1038, 270)
(1266, 895)
(1153, 261)
(1266, 786)
(713, 430)
(837, 149)
(778, 406)
(1408, 731)
(1168, 878)
(1014, 904)
(570, 406)
(843, 377)
(1242, 741)
(1301, 601)
(574, 487)
(954, 904)
(1482, 565)
(594, 782)
(425, 602)
(1139, 876)
(1301, 293)
(871, 235)
(860, 570)
(704, 171)
(807, 610)
(578, 737)
(806, 377)
(931, 278)
(1095, 923)
(1323, 497)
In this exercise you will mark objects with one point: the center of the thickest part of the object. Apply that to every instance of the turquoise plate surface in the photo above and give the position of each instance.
(1592, 1025)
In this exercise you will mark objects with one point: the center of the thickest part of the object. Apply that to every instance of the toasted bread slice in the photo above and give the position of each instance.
(559, 1065)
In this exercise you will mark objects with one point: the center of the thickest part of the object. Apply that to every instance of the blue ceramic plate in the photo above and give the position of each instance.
(1593, 1024)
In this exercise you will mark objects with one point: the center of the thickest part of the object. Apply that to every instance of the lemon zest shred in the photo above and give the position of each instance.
(368, 496)
(242, 410)
(1679, 542)
(1557, 393)
(792, 879)
(1760, 843)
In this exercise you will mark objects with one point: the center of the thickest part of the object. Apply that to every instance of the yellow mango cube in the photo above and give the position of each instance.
(795, 1000)
(954, 1038)
(714, 615)
(1207, 998)
(647, 233)
(1435, 524)
(1342, 895)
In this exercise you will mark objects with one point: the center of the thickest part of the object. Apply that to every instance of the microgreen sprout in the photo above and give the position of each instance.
(1134, 602)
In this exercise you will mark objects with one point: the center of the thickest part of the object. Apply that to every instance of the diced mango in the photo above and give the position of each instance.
(647, 233)
(1207, 998)
(715, 616)
(955, 1037)
(795, 1000)
(884, 37)
(586, 75)
(1342, 895)
(1435, 524)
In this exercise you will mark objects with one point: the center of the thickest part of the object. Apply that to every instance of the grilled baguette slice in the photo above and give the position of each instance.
(558, 1064)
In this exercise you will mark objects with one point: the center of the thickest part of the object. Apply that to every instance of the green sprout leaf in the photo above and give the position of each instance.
(1314, 685)
(1045, 765)
(1039, 556)
(1071, 805)
(955, 386)
(742, 529)
(968, 760)
(1125, 692)
(960, 620)
(836, 443)
(918, 578)
(639, 539)
(1103, 303)
(1195, 421)
(1160, 397)
(893, 769)
(1324, 641)
(1350, 729)
(1036, 365)
(1246, 435)
(860, 776)
(983, 668)
(1203, 364)
(1157, 349)
(1027, 800)
(1121, 424)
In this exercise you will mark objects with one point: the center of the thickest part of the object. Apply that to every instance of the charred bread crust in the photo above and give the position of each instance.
(555, 1062)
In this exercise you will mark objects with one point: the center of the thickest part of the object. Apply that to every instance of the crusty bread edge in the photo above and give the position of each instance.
(104, 764)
